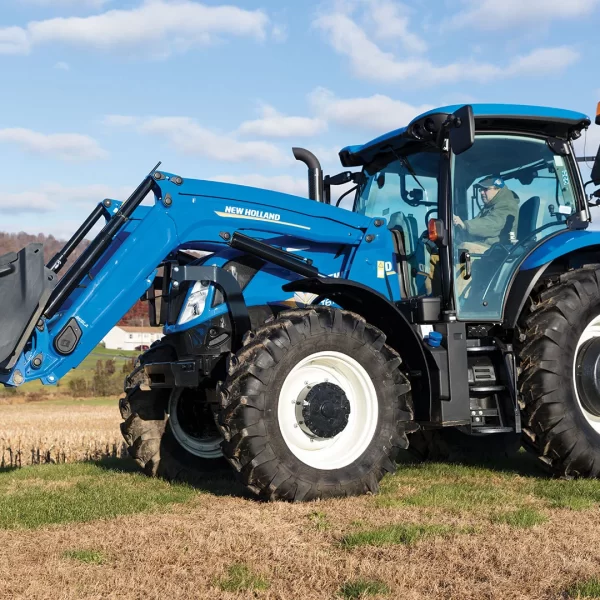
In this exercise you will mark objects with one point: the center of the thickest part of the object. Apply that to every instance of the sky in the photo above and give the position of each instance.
(96, 92)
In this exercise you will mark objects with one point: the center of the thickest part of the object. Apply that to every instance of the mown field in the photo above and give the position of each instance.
(91, 526)
(102, 530)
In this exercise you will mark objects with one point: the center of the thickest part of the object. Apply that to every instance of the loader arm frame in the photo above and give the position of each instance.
(122, 261)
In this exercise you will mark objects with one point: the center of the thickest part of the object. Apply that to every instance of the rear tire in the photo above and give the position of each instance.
(558, 319)
(299, 367)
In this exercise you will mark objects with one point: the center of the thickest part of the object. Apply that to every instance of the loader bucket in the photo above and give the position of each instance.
(25, 286)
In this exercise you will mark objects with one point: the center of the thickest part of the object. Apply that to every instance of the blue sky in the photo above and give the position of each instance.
(95, 92)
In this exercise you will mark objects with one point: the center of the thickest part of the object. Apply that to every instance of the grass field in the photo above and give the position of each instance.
(102, 530)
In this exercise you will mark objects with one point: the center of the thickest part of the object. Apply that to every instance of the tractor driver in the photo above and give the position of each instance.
(496, 221)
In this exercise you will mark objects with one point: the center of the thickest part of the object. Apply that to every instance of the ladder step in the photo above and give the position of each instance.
(487, 388)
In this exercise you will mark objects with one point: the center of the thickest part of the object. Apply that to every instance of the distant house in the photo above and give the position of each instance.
(132, 338)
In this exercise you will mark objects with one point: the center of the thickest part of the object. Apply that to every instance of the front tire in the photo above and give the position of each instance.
(561, 419)
(314, 406)
(169, 433)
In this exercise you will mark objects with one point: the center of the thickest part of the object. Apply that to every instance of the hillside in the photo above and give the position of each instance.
(13, 242)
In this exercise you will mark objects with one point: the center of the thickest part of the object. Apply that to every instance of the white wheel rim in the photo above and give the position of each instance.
(204, 447)
(591, 331)
(348, 445)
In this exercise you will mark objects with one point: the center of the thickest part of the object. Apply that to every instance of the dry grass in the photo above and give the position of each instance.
(192, 551)
(58, 431)
(436, 531)
(213, 543)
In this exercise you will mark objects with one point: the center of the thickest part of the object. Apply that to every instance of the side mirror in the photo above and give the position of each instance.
(462, 132)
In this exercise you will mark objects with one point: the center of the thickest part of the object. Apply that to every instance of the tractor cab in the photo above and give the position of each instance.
(468, 193)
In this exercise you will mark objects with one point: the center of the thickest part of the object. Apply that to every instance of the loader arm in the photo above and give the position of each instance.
(122, 261)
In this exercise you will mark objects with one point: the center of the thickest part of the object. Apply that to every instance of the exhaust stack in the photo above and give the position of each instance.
(315, 173)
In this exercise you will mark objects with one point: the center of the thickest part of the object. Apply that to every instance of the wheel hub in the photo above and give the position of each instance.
(587, 375)
(325, 410)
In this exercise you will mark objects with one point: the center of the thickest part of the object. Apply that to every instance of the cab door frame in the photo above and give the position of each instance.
(582, 209)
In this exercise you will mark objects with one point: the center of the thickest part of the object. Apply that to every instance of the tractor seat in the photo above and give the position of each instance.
(528, 214)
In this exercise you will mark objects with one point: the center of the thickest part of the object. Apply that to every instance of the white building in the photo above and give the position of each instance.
(132, 338)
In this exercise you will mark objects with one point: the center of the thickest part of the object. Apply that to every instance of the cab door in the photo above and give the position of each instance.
(491, 240)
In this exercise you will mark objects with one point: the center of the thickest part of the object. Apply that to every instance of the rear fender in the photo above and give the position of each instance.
(558, 254)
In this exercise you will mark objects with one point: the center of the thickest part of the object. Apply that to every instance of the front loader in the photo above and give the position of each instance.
(310, 344)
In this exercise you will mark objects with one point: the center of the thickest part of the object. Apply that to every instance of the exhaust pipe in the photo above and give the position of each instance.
(315, 173)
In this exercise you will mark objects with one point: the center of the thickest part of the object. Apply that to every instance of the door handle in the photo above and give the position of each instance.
(465, 258)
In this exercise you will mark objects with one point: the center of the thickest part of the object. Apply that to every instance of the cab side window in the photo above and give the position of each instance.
(405, 193)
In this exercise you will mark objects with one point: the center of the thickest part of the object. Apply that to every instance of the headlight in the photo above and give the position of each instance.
(195, 302)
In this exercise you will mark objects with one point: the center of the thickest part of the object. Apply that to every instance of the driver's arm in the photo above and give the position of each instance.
(491, 224)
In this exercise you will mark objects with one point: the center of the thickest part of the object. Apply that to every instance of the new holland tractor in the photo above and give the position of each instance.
(455, 309)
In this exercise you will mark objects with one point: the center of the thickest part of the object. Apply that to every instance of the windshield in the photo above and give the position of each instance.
(407, 186)
(405, 193)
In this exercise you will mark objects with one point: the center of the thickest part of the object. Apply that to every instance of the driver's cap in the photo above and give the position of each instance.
(492, 181)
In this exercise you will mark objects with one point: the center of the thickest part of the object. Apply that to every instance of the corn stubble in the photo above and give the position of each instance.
(38, 433)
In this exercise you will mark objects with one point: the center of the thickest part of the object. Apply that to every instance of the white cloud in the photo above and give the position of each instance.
(376, 113)
(279, 183)
(498, 14)
(62, 66)
(48, 197)
(541, 61)
(369, 61)
(165, 24)
(188, 136)
(61, 146)
(391, 22)
(14, 40)
(274, 124)
(26, 202)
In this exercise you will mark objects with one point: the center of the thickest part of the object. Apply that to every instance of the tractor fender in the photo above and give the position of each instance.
(384, 315)
(568, 249)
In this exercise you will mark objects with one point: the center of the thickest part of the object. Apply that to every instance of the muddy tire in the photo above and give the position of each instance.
(452, 445)
(156, 444)
(560, 402)
(323, 375)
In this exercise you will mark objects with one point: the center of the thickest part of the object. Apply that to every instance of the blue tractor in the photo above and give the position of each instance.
(455, 309)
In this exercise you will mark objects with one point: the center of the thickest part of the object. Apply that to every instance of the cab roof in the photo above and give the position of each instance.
(556, 122)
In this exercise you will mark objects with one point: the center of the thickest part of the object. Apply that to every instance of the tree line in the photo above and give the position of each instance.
(13, 242)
